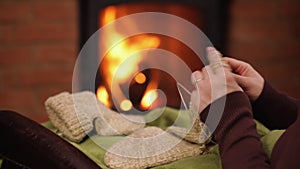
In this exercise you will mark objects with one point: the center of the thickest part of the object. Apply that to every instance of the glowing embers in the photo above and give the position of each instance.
(126, 79)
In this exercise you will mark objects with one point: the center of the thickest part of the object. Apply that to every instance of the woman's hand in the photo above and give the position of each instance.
(247, 77)
(212, 82)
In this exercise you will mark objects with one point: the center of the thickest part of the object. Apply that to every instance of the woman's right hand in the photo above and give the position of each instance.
(247, 77)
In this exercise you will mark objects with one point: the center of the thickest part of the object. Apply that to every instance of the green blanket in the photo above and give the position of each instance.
(167, 118)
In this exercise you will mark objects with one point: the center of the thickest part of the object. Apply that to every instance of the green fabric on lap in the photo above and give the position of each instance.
(270, 139)
(211, 161)
(167, 117)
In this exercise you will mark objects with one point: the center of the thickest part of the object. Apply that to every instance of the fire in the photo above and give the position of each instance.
(115, 66)
(150, 96)
(109, 15)
(140, 78)
(148, 99)
(103, 96)
(126, 105)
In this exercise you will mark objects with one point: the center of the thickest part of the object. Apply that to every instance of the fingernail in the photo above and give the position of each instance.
(195, 75)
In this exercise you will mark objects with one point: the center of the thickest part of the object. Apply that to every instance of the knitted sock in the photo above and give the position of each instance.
(74, 121)
(197, 134)
(73, 116)
(151, 149)
(113, 123)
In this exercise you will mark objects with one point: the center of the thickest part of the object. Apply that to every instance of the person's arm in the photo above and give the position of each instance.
(236, 135)
(239, 143)
(275, 110)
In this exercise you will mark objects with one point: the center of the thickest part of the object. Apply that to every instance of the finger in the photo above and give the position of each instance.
(196, 77)
(205, 71)
(235, 64)
(213, 55)
(241, 80)
(217, 63)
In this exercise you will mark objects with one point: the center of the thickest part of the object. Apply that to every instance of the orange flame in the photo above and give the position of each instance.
(150, 96)
(103, 96)
(140, 78)
(116, 66)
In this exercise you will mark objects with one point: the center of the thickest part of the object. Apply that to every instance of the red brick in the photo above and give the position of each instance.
(297, 28)
(1, 80)
(63, 54)
(17, 99)
(291, 89)
(46, 32)
(15, 56)
(6, 33)
(253, 52)
(23, 101)
(289, 9)
(8, 79)
(55, 10)
(45, 93)
(280, 72)
(289, 51)
(14, 11)
(272, 32)
(44, 78)
(259, 10)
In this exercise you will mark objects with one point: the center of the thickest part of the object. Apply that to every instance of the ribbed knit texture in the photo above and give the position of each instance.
(73, 121)
(152, 148)
(239, 143)
(275, 110)
(74, 114)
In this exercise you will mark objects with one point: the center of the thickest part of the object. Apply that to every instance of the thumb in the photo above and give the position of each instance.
(241, 80)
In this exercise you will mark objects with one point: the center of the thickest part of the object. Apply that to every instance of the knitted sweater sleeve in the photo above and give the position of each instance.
(275, 110)
(239, 143)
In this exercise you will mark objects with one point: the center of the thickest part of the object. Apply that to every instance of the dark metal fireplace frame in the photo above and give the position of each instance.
(215, 17)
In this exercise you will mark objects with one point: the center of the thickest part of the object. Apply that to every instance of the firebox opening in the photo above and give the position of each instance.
(209, 16)
(143, 94)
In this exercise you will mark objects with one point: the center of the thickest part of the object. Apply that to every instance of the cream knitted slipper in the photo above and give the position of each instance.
(73, 121)
(198, 133)
(149, 147)
(112, 123)
(73, 116)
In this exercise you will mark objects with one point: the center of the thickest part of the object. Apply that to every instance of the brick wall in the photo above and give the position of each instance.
(266, 34)
(38, 47)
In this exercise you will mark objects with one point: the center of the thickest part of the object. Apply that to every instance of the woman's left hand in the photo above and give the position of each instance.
(212, 82)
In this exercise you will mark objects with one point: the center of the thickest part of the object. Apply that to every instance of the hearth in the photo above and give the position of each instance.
(208, 15)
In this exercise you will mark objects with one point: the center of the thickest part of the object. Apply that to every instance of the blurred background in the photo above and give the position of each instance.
(39, 44)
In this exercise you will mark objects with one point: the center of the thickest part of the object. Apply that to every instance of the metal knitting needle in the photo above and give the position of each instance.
(181, 97)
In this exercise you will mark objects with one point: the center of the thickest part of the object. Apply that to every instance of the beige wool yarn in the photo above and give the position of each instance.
(74, 116)
(149, 147)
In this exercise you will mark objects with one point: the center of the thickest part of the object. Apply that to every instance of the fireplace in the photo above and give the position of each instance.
(208, 15)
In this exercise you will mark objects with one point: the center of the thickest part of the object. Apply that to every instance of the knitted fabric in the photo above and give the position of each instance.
(112, 123)
(73, 123)
(73, 116)
(149, 147)
(197, 134)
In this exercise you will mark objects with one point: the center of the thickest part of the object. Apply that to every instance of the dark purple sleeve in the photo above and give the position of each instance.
(275, 110)
(236, 135)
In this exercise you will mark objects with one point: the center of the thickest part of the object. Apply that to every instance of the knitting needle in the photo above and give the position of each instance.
(181, 97)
